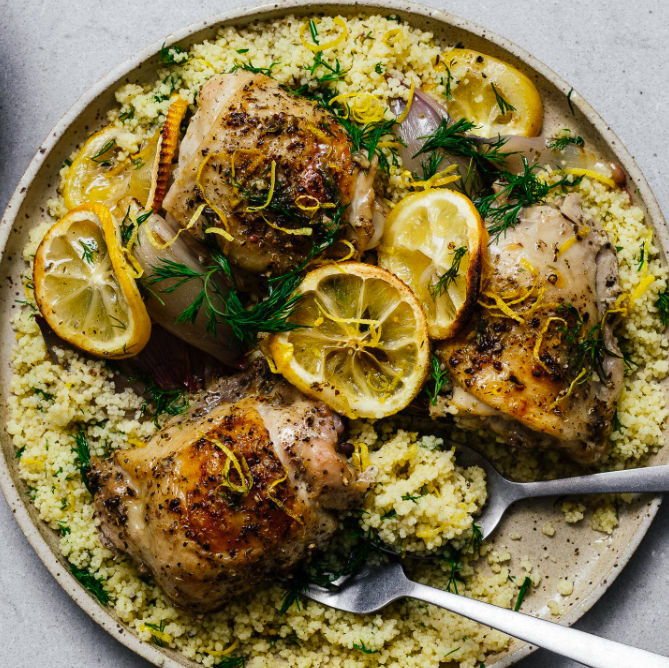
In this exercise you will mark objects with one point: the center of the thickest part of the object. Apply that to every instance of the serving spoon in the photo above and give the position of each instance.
(373, 587)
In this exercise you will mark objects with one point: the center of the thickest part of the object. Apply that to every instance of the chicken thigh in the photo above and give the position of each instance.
(274, 170)
(237, 490)
(539, 363)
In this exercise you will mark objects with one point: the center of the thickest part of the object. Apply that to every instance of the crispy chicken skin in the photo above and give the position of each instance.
(177, 507)
(498, 380)
(245, 122)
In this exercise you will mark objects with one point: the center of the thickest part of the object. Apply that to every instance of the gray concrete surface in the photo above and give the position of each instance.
(614, 52)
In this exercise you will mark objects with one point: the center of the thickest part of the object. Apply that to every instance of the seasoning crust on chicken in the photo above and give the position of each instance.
(237, 490)
(273, 170)
(544, 369)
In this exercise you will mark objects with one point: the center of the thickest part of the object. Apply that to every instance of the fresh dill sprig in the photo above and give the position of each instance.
(366, 650)
(571, 106)
(269, 315)
(642, 256)
(518, 192)
(82, 459)
(592, 349)
(47, 396)
(98, 157)
(172, 55)
(504, 106)
(527, 582)
(166, 402)
(20, 452)
(156, 627)
(250, 67)
(617, 425)
(87, 250)
(573, 331)
(63, 528)
(662, 305)
(314, 31)
(431, 166)
(378, 68)
(93, 584)
(449, 276)
(439, 377)
(454, 140)
(332, 73)
(415, 497)
(231, 662)
(448, 93)
(560, 142)
(127, 115)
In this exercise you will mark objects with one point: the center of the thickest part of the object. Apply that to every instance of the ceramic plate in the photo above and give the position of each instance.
(590, 559)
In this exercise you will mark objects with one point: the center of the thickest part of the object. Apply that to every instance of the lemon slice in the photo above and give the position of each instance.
(98, 173)
(362, 346)
(83, 288)
(497, 97)
(435, 242)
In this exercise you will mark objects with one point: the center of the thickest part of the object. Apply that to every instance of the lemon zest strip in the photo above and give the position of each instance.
(392, 36)
(501, 305)
(360, 458)
(640, 289)
(242, 469)
(298, 231)
(154, 242)
(404, 114)
(365, 107)
(270, 193)
(223, 652)
(579, 236)
(540, 338)
(573, 384)
(281, 504)
(328, 45)
(579, 171)
(210, 204)
(164, 637)
(221, 232)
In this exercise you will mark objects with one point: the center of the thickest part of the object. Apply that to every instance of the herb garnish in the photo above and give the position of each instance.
(571, 106)
(47, 396)
(416, 497)
(250, 67)
(63, 528)
(269, 315)
(82, 458)
(166, 402)
(361, 647)
(242, 50)
(156, 627)
(448, 93)
(559, 143)
(519, 191)
(231, 662)
(88, 248)
(389, 515)
(127, 115)
(642, 256)
(592, 349)
(19, 452)
(378, 68)
(440, 378)
(105, 149)
(172, 55)
(522, 593)
(504, 106)
(662, 305)
(92, 583)
(449, 276)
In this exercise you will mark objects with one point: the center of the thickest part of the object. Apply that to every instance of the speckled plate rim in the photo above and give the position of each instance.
(16, 503)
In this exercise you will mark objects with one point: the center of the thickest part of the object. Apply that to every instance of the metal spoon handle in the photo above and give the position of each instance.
(649, 479)
(582, 647)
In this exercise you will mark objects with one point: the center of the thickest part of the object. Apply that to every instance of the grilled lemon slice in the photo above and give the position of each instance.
(435, 242)
(83, 288)
(495, 96)
(362, 345)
